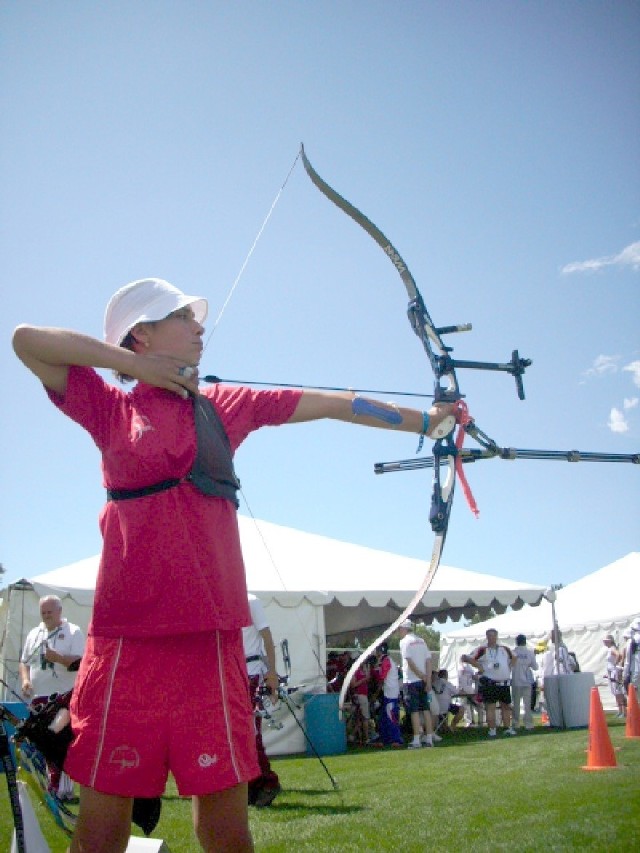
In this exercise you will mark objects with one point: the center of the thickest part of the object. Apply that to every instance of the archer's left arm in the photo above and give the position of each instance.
(345, 406)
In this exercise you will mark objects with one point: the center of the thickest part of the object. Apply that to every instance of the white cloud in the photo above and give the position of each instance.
(630, 402)
(634, 369)
(603, 364)
(628, 257)
(617, 421)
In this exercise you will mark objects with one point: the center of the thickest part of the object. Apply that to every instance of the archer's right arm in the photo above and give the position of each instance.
(49, 352)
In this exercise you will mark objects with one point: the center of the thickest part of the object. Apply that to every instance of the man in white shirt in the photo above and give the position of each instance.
(49, 664)
(522, 680)
(494, 663)
(416, 684)
(49, 650)
(260, 656)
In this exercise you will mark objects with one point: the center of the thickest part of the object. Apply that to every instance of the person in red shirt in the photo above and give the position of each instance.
(170, 598)
(360, 695)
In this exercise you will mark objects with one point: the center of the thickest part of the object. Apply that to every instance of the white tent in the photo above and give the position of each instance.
(604, 602)
(367, 588)
(313, 589)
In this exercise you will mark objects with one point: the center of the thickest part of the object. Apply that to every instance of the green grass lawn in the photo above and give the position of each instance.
(526, 793)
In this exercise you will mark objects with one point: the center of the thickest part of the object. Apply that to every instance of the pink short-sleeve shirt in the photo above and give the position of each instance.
(171, 562)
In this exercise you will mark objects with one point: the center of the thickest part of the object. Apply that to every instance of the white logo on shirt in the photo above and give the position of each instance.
(206, 760)
(126, 756)
(139, 425)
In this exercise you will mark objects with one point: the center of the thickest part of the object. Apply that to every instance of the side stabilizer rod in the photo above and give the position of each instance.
(508, 453)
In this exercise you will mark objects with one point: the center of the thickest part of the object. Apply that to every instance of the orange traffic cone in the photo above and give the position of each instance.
(632, 729)
(600, 754)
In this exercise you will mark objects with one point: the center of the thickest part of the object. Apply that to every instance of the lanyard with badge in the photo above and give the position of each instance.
(42, 646)
(492, 654)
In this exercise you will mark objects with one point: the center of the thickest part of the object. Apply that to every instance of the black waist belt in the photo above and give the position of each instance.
(253, 658)
(498, 683)
(128, 494)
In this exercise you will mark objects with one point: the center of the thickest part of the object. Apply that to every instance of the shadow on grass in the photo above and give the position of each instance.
(281, 807)
(310, 792)
(291, 805)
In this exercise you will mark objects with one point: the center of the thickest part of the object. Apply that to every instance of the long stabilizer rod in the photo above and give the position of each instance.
(509, 453)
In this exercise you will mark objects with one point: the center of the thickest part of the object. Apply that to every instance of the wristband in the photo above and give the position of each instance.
(425, 429)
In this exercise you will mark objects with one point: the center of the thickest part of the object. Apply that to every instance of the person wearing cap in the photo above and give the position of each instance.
(494, 662)
(614, 673)
(416, 684)
(522, 681)
(169, 528)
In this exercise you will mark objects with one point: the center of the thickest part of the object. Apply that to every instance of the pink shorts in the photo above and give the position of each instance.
(143, 708)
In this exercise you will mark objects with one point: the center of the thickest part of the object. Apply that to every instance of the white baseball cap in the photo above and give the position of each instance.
(146, 301)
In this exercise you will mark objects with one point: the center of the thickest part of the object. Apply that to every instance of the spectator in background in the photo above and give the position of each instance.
(260, 657)
(360, 686)
(556, 660)
(494, 663)
(614, 673)
(332, 670)
(631, 671)
(338, 665)
(386, 672)
(540, 652)
(51, 653)
(49, 664)
(468, 688)
(522, 681)
(416, 684)
(445, 692)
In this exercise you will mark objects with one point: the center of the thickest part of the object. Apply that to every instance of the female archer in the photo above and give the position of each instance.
(170, 597)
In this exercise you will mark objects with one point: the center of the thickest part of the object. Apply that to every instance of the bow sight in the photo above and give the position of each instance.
(443, 363)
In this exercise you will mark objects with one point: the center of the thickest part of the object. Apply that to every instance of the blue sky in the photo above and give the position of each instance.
(496, 144)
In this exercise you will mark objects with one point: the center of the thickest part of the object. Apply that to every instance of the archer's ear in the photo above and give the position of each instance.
(140, 337)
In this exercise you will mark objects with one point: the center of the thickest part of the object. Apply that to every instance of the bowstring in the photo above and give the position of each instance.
(250, 252)
(280, 578)
(213, 329)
